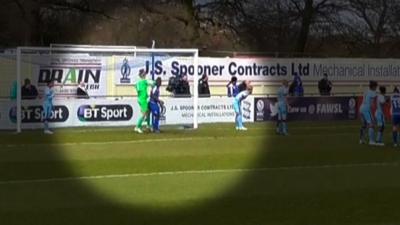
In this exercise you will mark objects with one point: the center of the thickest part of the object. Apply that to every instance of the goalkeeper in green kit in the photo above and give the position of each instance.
(142, 86)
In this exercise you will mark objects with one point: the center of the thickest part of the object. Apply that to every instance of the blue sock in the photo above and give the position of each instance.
(153, 121)
(371, 135)
(157, 121)
(46, 125)
(362, 132)
(240, 121)
(395, 137)
(379, 137)
(237, 120)
(285, 128)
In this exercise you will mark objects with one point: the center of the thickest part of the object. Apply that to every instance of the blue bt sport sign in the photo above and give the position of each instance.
(111, 112)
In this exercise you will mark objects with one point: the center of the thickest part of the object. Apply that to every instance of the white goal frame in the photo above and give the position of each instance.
(107, 49)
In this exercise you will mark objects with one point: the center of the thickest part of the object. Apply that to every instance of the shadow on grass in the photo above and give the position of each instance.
(361, 195)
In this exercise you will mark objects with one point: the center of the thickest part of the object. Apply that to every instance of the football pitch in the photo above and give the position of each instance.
(215, 175)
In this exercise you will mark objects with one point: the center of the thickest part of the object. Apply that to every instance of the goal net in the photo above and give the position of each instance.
(108, 75)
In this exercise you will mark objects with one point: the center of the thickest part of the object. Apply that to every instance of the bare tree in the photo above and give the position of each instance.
(44, 19)
(271, 25)
(135, 22)
(311, 14)
(368, 25)
(340, 27)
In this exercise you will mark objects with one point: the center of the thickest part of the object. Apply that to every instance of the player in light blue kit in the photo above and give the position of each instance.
(379, 115)
(366, 113)
(395, 100)
(48, 105)
(237, 106)
(281, 126)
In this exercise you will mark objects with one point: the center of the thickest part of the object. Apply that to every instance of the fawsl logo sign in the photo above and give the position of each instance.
(35, 114)
(95, 113)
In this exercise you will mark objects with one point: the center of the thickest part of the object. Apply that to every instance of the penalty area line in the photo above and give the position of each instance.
(194, 172)
(149, 140)
(157, 140)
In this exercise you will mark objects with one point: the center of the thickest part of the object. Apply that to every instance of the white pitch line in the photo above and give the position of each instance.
(296, 128)
(125, 142)
(124, 129)
(163, 140)
(191, 172)
(257, 127)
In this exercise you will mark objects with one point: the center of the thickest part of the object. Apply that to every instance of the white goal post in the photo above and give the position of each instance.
(77, 49)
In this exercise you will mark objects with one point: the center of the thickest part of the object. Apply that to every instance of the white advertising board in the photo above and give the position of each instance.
(210, 110)
(110, 113)
(260, 69)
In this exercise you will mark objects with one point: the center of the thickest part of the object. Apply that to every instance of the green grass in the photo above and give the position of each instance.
(215, 175)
